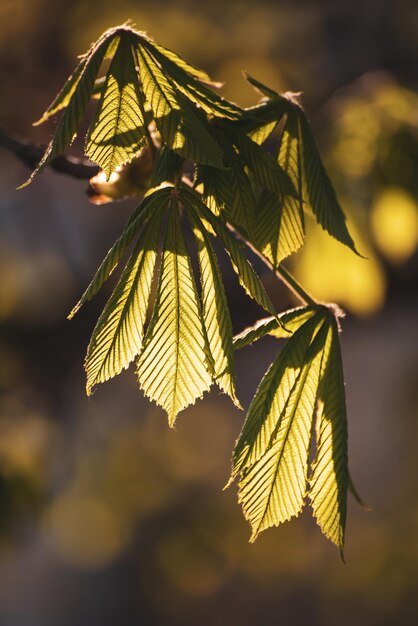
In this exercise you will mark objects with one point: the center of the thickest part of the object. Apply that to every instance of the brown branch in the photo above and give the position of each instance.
(30, 154)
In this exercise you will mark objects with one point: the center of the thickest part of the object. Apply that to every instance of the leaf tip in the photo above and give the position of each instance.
(40, 121)
(25, 184)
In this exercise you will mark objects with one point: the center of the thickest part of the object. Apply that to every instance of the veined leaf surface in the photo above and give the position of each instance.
(320, 191)
(112, 258)
(117, 131)
(291, 321)
(191, 82)
(180, 126)
(77, 98)
(246, 274)
(329, 478)
(272, 452)
(215, 311)
(173, 368)
(117, 337)
(278, 230)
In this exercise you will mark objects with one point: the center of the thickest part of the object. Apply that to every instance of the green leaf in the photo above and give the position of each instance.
(170, 57)
(232, 189)
(290, 321)
(189, 79)
(215, 311)
(179, 125)
(117, 132)
(77, 98)
(259, 121)
(117, 337)
(329, 478)
(246, 274)
(264, 168)
(173, 367)
(278, 230)
(150, 202)
(214, 186)
(167, 164)
(260, 87)
(64, 96)
(273, 449)
(320, 193)
(279, 227)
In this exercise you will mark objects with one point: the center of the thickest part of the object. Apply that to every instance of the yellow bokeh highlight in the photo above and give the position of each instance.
(394, 224)
(333, 273)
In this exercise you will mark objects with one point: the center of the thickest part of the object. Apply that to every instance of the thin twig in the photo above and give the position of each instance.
(31, 153)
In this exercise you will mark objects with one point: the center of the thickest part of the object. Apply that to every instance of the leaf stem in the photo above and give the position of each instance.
(291, 282)
(285, 276)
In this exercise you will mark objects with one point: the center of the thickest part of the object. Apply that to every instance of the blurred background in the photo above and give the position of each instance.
(106, 515)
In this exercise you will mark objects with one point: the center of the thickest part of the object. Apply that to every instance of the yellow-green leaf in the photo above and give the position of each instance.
(76, 100)
(117, 337)
(246, 274)
(273, 449)
(173, 368)
(117, 132)
(179, 125)
(290, 321)
(329, 479)
(215, 311)
(112, 258)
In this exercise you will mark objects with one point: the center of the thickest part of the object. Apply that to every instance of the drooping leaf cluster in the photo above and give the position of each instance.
(240, 176)
(299, 404)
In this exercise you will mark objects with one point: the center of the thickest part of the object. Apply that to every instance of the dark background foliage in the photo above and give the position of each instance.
(106, 515)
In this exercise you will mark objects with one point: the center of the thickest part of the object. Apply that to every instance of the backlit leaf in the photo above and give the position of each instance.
(76, 96)
(290, 322)
(329, 479)
(278, 229)
(173, 368)
(215, 311)
(117, 337)
(180, 126)
(273, 449)
(112, 258)
(117, 133)
(246, 274)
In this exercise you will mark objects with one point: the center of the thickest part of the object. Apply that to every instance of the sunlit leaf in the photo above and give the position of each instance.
(179, 125)
(112, 258)
(264, 168)
(215, 311)
(117, 337)
(272, 452)
(173, 368)
(246, 274)
(76, 97)
(278, 230)
(329, 479)
(117, 132)
(320, 193)
(193, 83)
(290, 322)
